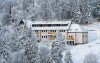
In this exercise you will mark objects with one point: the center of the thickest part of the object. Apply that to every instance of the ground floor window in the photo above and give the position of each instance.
(70, 42)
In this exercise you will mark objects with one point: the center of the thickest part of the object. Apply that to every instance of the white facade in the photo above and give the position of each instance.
(80, 34)
(73, 33)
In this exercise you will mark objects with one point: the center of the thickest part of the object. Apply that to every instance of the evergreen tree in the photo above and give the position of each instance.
(31, 48)
(86, 14)
(60, 39)
(44, 55)
(31, 52)
(91, 58)
(68, 57)
(56, 53)
(5, 50)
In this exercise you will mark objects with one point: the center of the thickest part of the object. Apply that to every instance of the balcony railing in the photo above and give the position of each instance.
(51, 32)
(70, 38)
(51, 38)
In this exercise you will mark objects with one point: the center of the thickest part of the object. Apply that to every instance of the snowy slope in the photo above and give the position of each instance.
(80, 51)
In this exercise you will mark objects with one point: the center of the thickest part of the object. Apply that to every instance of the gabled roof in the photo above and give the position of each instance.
(77, 28)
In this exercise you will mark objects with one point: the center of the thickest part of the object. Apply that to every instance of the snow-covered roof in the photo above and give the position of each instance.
(77, 28)
(52, 27)
(51, 22)
(49, 28)
(70, 27)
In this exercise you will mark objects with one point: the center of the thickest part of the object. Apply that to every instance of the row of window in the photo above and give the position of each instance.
(62, 30)
(50, 30)
(70, 43)
(45, 30)
(50, 36)
(44, 36)
(70, 36)
(48, 25)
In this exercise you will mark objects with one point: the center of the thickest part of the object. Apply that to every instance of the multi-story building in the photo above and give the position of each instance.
(73, 33)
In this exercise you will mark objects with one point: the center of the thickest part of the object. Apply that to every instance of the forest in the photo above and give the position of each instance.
(79, 11)
(18, 44)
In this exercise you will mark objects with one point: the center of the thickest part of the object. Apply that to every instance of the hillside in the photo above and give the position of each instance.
(79, 52)
(18, 43)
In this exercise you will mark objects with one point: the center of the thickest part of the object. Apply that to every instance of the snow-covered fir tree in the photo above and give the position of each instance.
(31, 48)
(45, 13)
(23, 39)
(58, 46)
(5, 49)
(85, 10)
(44, 55)
(91, 58)
(56, 53)
(31, 52)
(17, 37)
(68, 57)
(60, 39)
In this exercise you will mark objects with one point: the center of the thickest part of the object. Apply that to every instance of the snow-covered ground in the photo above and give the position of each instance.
(80, 51)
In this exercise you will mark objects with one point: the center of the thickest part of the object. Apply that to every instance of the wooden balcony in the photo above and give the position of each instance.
(51, 32)
(70, 38)
(51, 38)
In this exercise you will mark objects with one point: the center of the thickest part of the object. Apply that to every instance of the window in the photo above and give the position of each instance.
(38, 41)
(71, 36)
(61, 30)
(37, 35)
(58, 25)
(36, 31)
(83, 36)
(64, 25)
(70, 42)
(40, 25)
(42, 36)
(51, 36)
(54, 36)
(48, 25)
(50, 30)
(46, 36)
(32, 25)
(67, 42)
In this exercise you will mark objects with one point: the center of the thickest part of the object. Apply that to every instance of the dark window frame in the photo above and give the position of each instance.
(48, 25)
